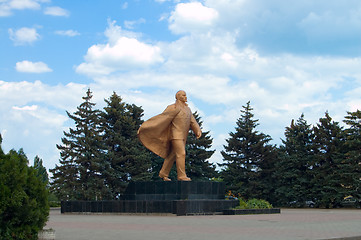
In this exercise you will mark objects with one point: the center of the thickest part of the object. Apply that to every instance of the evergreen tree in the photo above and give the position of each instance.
(126, 158)
(197, 155)
(42, 173)
(246, 154)
(79, 175)
(140, 161)
(293, 168)
(1, 151)
(327, 166)
(352, 176)
(65, 178)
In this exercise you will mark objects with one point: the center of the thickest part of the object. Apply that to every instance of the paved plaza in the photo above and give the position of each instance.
(290, 224)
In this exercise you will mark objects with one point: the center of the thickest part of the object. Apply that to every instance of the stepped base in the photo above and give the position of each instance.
(176, 197)
(178, 207)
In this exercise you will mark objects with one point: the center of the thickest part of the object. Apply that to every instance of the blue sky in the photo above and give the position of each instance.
(286, 57)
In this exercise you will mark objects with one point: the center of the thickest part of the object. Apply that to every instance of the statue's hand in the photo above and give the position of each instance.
(199, 134)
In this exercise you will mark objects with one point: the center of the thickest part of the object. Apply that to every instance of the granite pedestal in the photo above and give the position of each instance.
(176, 197)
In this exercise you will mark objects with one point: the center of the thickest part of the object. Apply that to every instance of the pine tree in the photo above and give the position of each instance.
(126, 158)
(140, 160)
(352, 177)
(1, 151)
(246, 153)
(42, 173)
(295, 158)
(197, 155)
(65, 178)
(79, 175)
(327, 166)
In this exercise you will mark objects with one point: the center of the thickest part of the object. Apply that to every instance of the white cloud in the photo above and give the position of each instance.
(7, 6)
(310, 27)
(69, 33)
(42, 114)
(125, 5)
(59, 96)
(23, 36)
(26, 108)
(113, 32)
(189, 17)
(56, 11)
(24, 4)
(32, 67)
(131, 24)
(121, 53)
(5, 10)
(205, 53)
(36, 114)
(331, 26)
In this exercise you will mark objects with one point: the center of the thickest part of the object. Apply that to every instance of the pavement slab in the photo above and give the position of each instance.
(320, 224)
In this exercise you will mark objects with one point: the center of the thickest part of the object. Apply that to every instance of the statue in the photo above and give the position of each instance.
(166, 135)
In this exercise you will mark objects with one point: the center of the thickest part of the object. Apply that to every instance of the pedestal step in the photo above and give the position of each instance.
(178, 207)
(176, 197)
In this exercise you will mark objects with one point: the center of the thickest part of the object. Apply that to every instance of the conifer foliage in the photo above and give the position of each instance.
(42, 173)
(126, 159)
(246, 155)
(352, 176)
(320, 163)
(197, 154)
(294, 165)
(79, 175)
(102, 153)
(328, 166)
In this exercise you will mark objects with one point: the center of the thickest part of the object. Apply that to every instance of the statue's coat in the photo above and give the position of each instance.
(156, 133)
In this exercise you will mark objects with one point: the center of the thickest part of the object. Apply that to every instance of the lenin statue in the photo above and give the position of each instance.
(166, 135)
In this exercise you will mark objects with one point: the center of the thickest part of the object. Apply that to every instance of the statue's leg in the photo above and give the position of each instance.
(167, 166)
(180, 153)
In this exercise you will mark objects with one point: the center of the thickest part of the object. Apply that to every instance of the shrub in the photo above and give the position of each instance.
(253, 204)
(258, 203)
(53, 200)
(24, 207)
(242, 204)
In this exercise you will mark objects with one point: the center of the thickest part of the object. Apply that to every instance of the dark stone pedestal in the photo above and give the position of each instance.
(177, 190)
(181, 198)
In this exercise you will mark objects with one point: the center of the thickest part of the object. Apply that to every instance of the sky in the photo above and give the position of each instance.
(286, 57)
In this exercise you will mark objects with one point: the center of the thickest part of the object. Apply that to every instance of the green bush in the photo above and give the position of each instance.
(258, 203)
(53, 200)
(242, 204)
(253, 204)
(24, 207)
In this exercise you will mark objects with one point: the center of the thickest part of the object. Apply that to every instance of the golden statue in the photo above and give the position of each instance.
(166, 135)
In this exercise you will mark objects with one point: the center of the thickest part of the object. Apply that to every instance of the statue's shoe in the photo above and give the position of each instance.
(165, 178)
(184, 179)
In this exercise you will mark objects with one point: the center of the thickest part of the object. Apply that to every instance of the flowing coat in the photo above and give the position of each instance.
(157, 132)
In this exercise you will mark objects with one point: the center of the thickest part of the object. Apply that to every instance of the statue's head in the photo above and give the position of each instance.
(181, 96)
